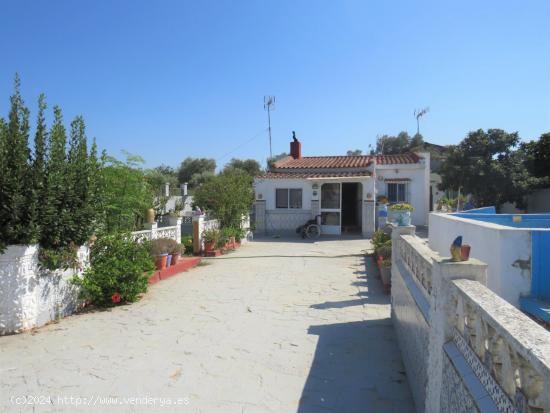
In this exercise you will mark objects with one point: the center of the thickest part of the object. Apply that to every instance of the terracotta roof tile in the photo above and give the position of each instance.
(362, 161)
(312, 175)
(397, 159)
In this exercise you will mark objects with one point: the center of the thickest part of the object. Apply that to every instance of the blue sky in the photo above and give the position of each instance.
(172, 79)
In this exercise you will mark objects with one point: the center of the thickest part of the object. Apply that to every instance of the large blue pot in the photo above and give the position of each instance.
(402, 218)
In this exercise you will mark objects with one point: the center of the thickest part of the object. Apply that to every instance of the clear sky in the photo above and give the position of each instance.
(170, 79)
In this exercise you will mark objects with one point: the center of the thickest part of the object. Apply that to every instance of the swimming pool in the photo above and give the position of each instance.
(538, 226)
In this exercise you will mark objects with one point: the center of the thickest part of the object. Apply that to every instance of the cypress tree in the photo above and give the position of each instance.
(18, 212)
(39, 163)
(77, 221)
(54, 205)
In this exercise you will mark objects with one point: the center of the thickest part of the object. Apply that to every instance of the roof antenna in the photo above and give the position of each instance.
(269, 105)
(418, 113)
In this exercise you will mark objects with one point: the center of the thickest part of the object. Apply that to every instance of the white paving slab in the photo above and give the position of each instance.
(278, 326)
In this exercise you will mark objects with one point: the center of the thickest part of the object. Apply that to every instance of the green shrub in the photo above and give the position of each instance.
(211, 235)
(379, 238)
(384, 250)
(119, 271)
(187, 242)
(403, 206)
(161, 246)
(58, 258)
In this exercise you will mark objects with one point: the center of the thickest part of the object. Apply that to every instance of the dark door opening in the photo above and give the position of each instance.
(351, 207)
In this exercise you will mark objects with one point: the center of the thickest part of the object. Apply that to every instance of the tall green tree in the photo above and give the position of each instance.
(250, 166)
(127, 193)
(195, 166)
(78, 221)
(388, 145)
(54, 205)
(537, 154)
(227, 196)
(18, 203)
(487, 165)
(39, 161)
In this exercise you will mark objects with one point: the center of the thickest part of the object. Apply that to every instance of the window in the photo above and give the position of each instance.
(397, 192)
(288, 198)
(330, 196)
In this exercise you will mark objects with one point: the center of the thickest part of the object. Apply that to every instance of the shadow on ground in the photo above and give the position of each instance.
(371, 289)
(357, 366)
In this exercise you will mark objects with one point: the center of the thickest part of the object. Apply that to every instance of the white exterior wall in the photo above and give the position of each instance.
(265, 190)
(286, 220)
(418, 188)
(30, 297)
(507, 251)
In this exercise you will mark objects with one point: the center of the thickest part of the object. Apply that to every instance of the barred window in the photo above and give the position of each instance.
(288, 198)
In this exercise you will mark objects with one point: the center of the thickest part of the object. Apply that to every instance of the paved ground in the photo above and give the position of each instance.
(275, 327)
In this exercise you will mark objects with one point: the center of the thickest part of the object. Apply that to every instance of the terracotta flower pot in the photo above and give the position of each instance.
(160, 261)
(209, 246)
(465, 252)
(232, 242)
(175, 259)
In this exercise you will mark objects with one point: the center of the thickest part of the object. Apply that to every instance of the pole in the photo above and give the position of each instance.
(269, 128)
(418, 125)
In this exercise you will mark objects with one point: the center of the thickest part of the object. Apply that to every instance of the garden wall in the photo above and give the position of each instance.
(506, 250)
(465, 349)
(31, 297)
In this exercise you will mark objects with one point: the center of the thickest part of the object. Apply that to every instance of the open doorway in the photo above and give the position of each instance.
(352, 194)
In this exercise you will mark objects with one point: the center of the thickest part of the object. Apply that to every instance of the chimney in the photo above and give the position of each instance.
(295, 147)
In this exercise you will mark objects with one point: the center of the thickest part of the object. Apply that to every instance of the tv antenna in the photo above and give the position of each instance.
(418, 113)
(269, 105)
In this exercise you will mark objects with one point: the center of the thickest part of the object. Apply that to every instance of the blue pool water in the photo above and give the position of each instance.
(538, 303)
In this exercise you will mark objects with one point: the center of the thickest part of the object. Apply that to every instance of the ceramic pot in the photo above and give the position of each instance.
(175, 259)
(160, 261)
(465, 252)
(168, 260)
(402, 218)
(150, 216)
(209, 246)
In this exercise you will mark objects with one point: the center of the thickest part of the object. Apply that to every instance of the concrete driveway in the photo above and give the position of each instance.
(278, 326)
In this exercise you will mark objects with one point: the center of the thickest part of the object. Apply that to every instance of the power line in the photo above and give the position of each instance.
(242, 144)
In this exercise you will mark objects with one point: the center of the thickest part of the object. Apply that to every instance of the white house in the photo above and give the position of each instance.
(342, 190)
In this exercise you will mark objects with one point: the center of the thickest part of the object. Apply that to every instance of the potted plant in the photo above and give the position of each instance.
(187, 242)
(402, 214)
(160, 251)
(385, 274)
(211, 238)
(170, 245)
(382, 199)
(176, 252)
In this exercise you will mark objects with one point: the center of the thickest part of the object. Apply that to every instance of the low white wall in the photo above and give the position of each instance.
(464, 348)
(30, 297)
(507, 251)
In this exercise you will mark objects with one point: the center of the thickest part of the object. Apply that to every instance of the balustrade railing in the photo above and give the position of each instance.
(510, 346)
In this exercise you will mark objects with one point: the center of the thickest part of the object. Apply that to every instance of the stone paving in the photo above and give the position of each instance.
(278, 326)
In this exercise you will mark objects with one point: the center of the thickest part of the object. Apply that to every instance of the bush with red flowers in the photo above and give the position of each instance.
(119, 271)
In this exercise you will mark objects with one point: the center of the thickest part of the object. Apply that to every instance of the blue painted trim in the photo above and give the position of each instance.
(539, 309)
(479, 394)
(540, 265)
(484, 210)
(418, 296)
